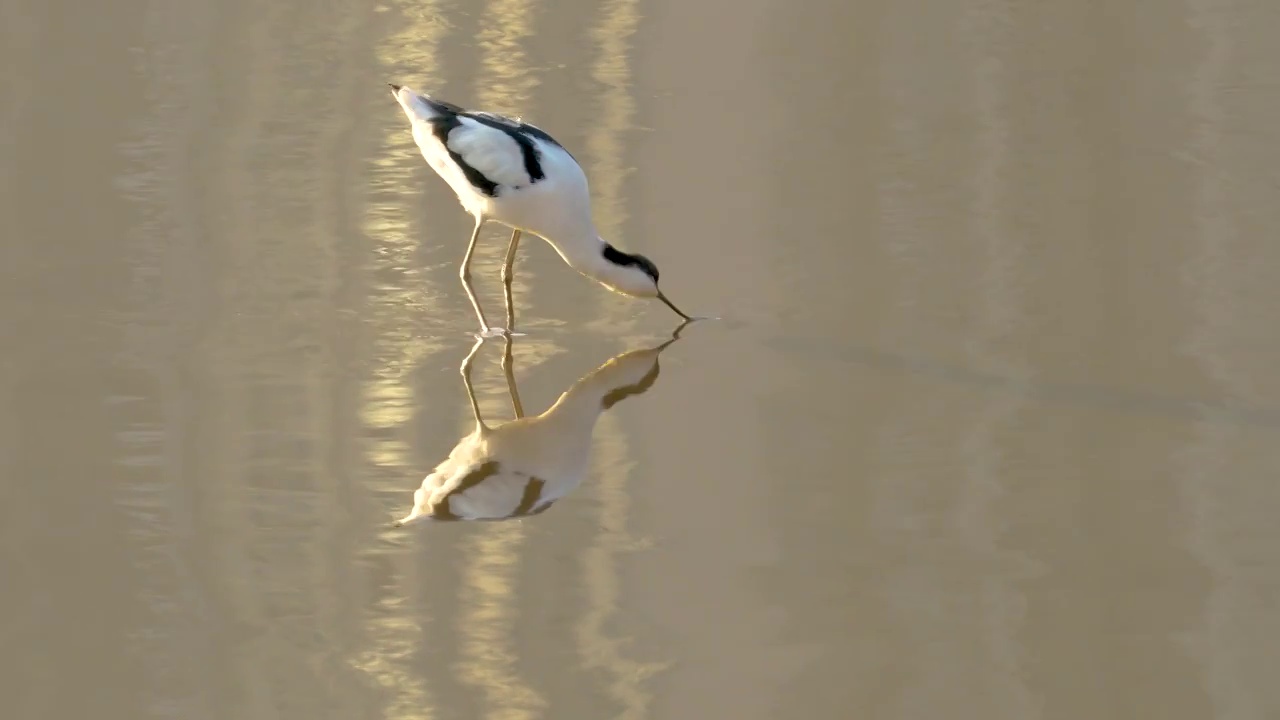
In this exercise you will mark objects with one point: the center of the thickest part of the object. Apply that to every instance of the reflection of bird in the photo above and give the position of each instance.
(521, 467)
(513, 173)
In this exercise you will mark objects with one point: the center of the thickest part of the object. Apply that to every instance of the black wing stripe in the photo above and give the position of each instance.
(522, 133)
(441, 126)
(515, 128)
(442, 106)
(518, 132)
(532, 162)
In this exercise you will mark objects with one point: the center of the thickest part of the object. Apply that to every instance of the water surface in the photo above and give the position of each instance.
(989, 428)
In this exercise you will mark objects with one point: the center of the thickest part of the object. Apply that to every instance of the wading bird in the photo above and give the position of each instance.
(510, 172)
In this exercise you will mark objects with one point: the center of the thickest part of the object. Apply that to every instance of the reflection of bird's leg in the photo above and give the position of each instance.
(465, 274)
(507, 275)
(507, 368)
(466, 381)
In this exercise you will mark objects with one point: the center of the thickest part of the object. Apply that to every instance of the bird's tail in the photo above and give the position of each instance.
(421, 108)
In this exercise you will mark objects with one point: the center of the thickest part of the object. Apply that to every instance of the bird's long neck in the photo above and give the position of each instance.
(574, 236)
(583, 250)
(628, 374)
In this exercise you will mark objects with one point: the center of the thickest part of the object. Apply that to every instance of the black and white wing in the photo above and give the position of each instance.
(493, 152)
(516, 126)
(490, 151)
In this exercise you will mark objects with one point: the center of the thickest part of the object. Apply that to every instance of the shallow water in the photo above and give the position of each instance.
(989, 426)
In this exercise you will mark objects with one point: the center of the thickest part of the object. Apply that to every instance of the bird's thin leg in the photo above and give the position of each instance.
(507, 275)
(509, 370)
(465, 274)
(465, 369)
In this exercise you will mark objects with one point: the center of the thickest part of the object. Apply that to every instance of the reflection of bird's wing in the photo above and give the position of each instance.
(482, 491)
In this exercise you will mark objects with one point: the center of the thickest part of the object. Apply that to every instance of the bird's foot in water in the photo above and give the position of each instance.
(497, 332)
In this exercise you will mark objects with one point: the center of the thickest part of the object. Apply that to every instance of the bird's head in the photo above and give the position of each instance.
(633, 274)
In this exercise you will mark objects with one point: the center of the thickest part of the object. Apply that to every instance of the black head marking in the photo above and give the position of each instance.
(617, 257)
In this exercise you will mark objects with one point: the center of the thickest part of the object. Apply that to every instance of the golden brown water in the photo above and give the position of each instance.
(989, 429)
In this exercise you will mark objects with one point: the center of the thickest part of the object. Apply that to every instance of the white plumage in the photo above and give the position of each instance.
(498, 157)
(511, 172)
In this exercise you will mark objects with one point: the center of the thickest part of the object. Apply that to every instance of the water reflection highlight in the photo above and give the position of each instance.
(523, 466)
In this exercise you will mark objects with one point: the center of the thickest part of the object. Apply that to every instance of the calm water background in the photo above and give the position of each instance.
(990, 427)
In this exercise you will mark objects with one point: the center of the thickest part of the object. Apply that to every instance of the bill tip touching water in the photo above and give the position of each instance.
(513, 173)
